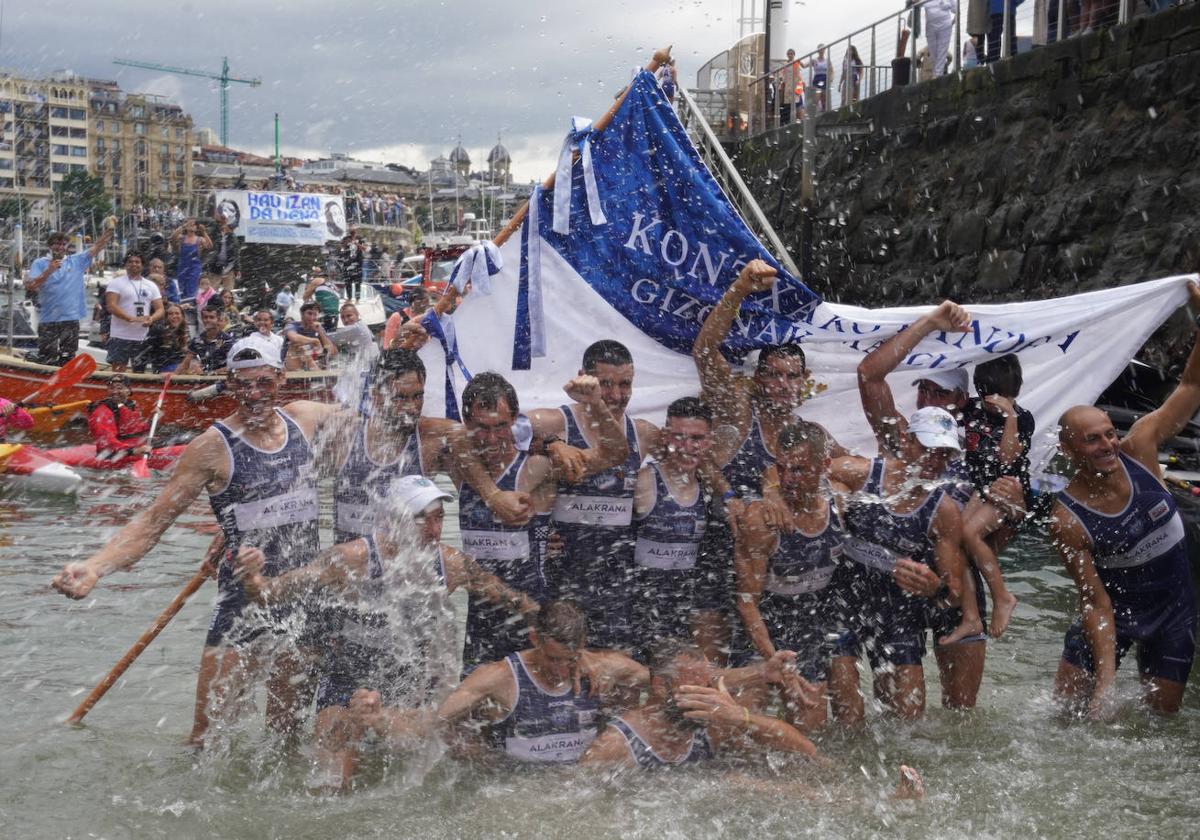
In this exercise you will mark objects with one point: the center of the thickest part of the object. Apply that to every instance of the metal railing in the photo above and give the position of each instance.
(895, 51)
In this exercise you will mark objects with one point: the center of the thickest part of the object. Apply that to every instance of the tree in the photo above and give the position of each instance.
(82, 200)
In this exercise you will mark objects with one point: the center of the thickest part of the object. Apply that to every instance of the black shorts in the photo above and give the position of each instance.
(121, 351)
(875, 616)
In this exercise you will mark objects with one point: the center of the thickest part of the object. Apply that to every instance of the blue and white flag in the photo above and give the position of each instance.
(668, 248)
(644, 223)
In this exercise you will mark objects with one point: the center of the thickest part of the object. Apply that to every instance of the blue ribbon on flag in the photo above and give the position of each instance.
(530, 329)
(449, 343)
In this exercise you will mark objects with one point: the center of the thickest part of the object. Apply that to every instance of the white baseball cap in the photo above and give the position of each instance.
(415, 493)
(268, 354)
(952, 379)
(935, 428)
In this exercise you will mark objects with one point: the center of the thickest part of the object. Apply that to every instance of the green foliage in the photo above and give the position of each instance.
(83, 200)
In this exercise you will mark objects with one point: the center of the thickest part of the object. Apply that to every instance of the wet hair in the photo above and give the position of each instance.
(662, 656)
(486, 391)
(691, 408)
(118, 378)
(1001, 376)
(802, 433)
(57, 236)
(309, 307)
(606, 352)
(784, 351)
(564, 622)
(397, 362)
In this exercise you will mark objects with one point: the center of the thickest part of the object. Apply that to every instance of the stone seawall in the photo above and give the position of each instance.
(1072, 167)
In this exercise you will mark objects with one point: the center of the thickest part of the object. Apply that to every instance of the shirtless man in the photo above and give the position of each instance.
(1121, 538)
(362, 680)
(540, 705)
(748, 414)
(516, 553)
(903, 560)
(594, 516)
(256, 465)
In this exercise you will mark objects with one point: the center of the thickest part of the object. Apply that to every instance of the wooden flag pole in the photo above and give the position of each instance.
(660, 58)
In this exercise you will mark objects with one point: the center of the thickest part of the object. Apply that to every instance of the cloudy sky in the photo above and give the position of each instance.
(401, 80)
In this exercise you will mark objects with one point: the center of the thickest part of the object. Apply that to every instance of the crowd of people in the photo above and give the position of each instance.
(802, 86)
(643, 595)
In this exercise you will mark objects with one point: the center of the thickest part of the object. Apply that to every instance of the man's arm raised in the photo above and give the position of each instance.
(1168, 420)
(716, 376)
(878, 403)
(611, 447)
(193, 472)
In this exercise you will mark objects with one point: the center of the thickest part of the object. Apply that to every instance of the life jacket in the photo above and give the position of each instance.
(130, 423)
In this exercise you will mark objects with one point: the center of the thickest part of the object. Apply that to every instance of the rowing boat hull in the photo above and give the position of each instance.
(19, 378)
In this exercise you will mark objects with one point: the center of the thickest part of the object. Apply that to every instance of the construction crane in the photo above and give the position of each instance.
(223, 77)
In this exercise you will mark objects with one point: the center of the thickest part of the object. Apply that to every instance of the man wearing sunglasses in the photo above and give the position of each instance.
(257, 466)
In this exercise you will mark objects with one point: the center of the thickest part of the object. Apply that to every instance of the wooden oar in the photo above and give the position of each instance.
(60, 408)
(72, 373)
(207, 568)
(141, 467)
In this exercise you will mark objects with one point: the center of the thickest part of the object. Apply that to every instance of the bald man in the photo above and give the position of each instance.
(1122, 540)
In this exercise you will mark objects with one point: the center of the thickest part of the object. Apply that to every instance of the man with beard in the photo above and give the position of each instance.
(515, 552)
(747, 417)
(594, 515)
(1122, 540)
(256, 465)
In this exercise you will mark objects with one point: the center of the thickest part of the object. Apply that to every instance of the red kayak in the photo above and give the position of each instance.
(29, 468)
(84, 456)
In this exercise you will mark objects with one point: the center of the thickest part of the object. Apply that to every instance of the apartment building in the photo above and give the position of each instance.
(43, 135)
(141, 145)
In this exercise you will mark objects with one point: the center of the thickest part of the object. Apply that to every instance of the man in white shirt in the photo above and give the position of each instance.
(134, 302)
